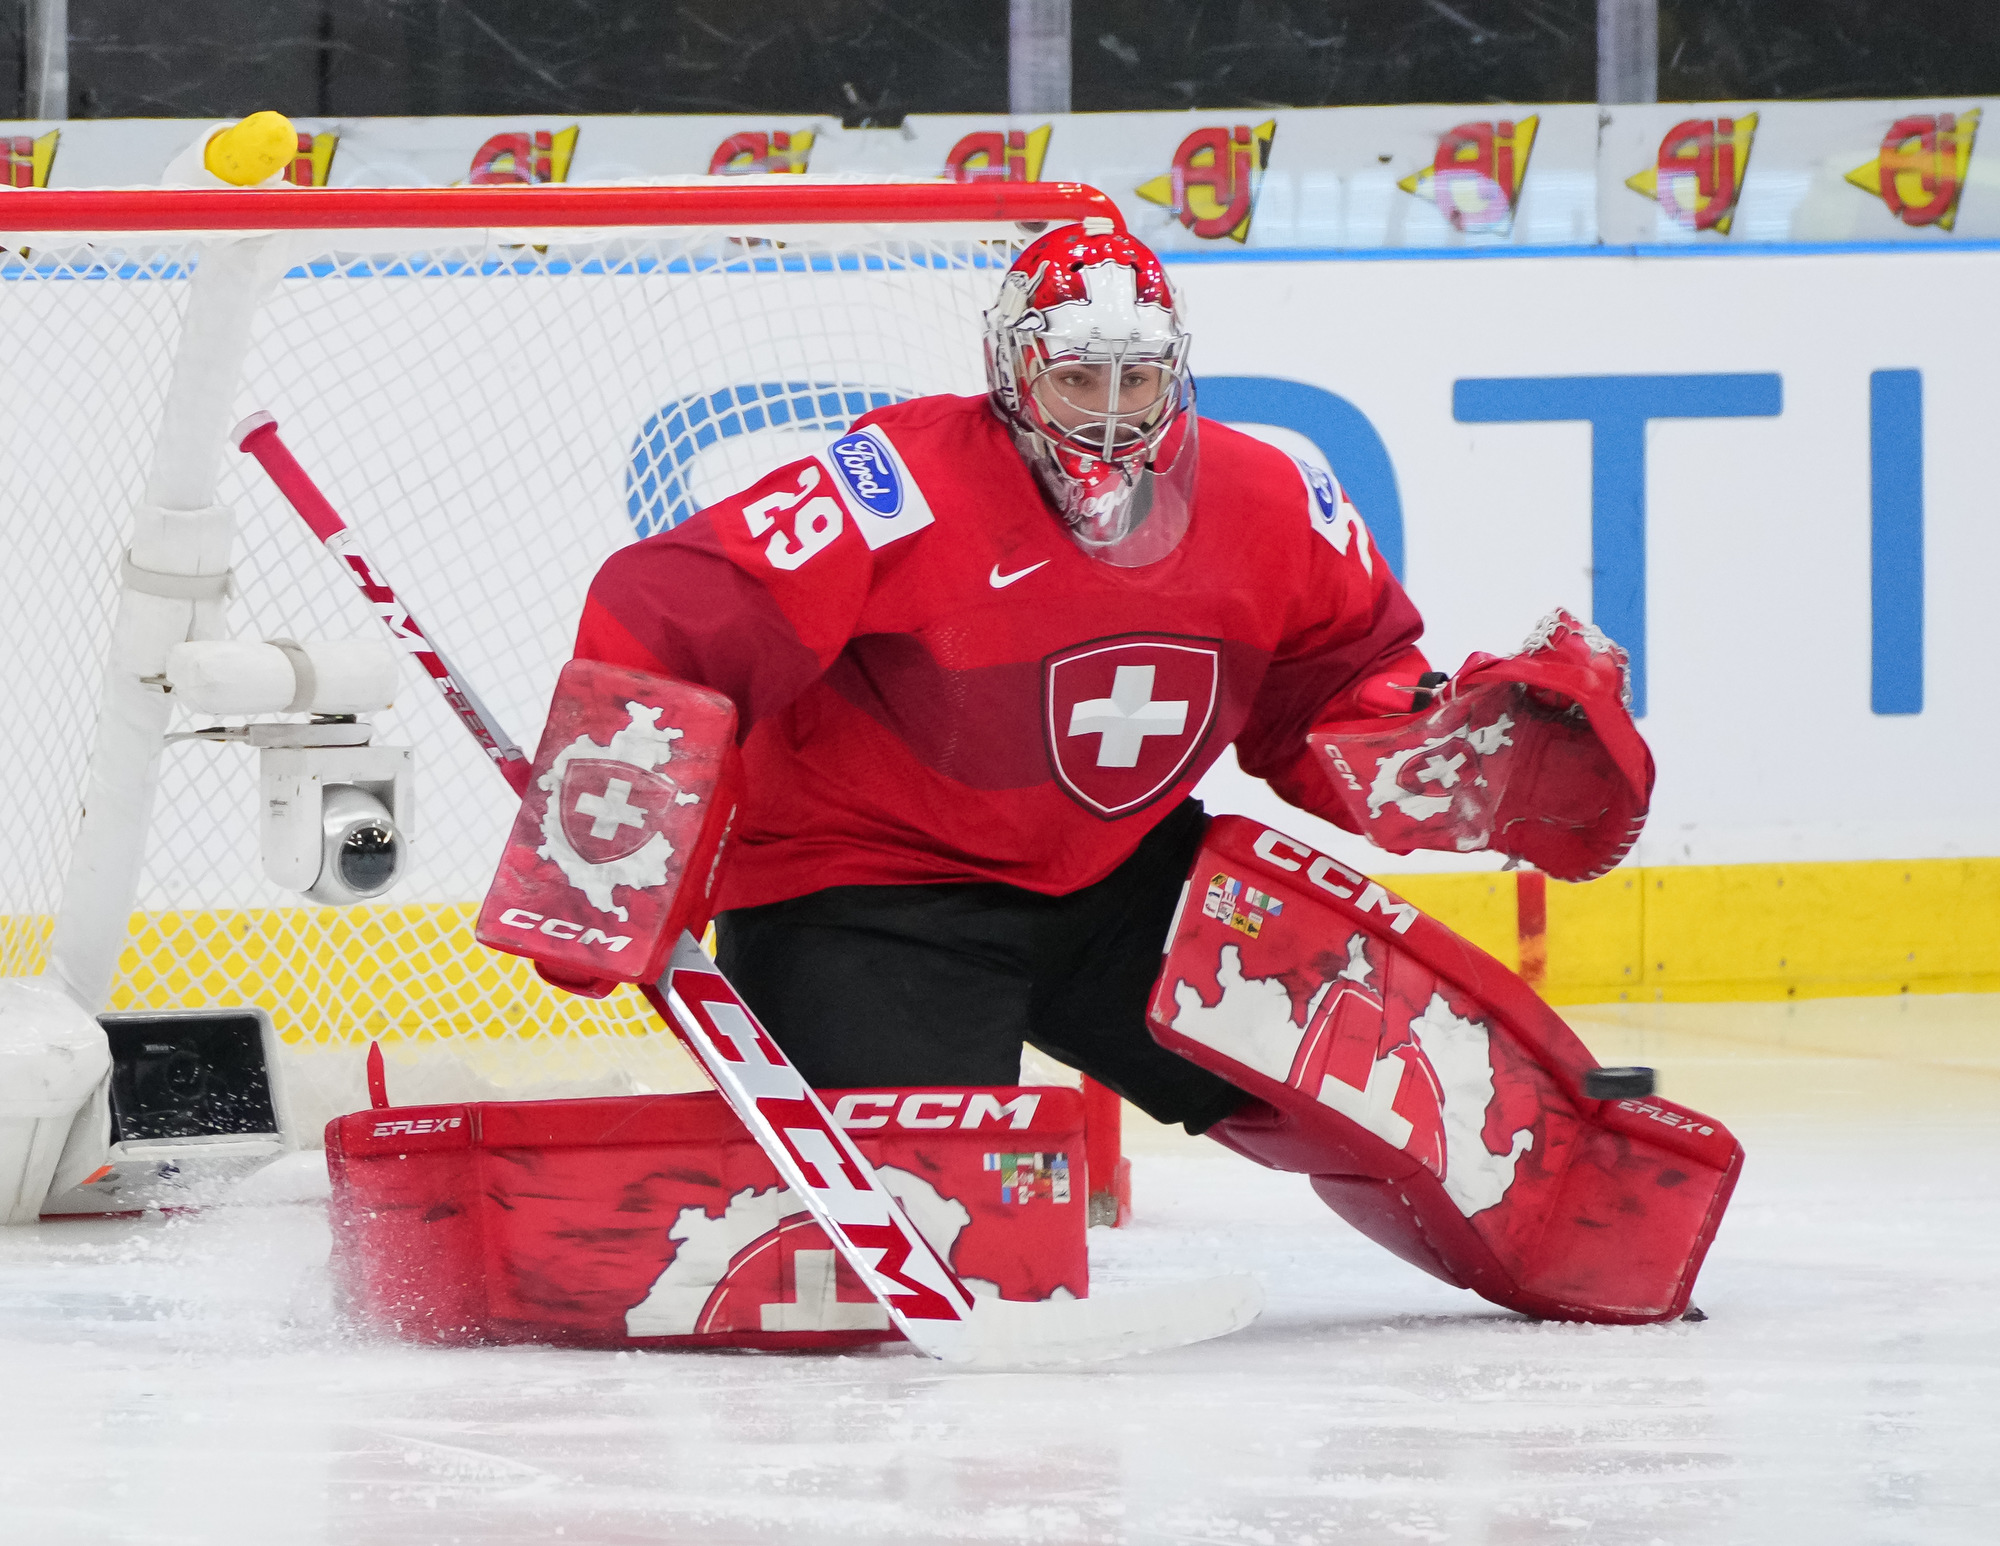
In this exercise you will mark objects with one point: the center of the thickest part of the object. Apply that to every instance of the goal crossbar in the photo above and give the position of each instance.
(777, 201)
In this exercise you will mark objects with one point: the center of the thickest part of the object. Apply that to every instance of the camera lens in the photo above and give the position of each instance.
(363, 851)
(367, 858)
(181, 1077)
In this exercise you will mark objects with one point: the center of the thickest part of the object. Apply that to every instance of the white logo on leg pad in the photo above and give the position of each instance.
(1424, 1088)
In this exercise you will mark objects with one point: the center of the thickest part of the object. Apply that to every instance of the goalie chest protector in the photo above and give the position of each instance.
(656, 1221)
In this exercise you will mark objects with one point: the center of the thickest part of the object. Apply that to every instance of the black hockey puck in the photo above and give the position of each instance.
(1694, 1313)
(1617, 1083)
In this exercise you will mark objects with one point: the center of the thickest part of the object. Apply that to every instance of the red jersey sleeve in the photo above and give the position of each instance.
(1353, 626)
(754, 596)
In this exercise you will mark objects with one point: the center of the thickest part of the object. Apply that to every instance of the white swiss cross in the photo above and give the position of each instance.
(611, 809)
(1127, 717)
(1439, 771)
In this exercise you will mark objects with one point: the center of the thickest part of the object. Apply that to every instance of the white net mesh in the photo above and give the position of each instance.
(493, 419)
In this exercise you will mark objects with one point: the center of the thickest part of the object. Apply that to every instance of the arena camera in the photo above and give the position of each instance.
(334, 824)
(335, 811)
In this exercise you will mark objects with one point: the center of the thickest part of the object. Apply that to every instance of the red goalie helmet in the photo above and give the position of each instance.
(1087, 361)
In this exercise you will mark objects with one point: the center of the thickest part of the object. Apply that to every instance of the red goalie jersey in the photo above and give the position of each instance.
(936, 684)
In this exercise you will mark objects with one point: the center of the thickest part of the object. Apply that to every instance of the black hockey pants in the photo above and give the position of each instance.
(941, 984)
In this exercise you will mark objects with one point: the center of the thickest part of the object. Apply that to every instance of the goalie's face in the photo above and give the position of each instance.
(1106, 405)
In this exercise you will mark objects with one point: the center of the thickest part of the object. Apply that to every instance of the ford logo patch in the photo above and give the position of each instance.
(1323, 491)
(864, 466)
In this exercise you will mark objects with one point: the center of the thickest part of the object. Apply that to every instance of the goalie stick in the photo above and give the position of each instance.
(924, 1298)
(258, 436)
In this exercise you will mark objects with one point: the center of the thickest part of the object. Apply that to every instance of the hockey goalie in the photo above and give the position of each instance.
(970, 660)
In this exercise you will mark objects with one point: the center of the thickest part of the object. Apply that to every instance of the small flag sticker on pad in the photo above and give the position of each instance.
(1025, 1177)
(1243, 908)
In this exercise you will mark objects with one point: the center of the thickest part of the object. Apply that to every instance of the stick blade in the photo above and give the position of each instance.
(1007, 1333)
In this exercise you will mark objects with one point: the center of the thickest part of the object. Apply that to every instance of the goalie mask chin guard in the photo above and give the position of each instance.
(1087, 361)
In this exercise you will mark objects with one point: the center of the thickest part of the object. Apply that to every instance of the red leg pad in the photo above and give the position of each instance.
(1436, 1102)
(657, 1221)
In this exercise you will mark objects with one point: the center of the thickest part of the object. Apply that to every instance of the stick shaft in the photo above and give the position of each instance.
(829, 1177)
(258, 435)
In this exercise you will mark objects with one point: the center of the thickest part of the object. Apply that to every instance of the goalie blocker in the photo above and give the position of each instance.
(1437, 1104)
(618, 844)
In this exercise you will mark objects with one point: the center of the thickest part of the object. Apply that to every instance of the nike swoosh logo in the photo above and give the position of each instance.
(1001, 581)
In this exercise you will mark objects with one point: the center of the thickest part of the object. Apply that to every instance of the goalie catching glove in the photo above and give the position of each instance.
(1534, 755)
(618, 844)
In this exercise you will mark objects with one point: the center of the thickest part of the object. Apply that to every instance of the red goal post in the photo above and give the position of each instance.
(497, 386)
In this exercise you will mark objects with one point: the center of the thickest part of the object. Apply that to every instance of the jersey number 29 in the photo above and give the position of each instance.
(814, 524)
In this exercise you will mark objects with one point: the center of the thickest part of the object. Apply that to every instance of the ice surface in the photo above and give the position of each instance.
(186, 1379)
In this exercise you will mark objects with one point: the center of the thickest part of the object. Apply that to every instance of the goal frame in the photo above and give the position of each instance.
(124, 760)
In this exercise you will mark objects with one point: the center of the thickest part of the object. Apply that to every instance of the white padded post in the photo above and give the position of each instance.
(178, 531)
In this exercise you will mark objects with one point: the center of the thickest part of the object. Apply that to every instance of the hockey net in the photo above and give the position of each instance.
(497, 388)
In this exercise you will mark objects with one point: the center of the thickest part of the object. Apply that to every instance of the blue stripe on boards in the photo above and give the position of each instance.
(1618, 409)
(1896, 541)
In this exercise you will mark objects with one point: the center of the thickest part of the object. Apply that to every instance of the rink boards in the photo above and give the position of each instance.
(1765, 472)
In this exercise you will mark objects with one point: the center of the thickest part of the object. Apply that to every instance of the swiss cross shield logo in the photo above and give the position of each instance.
(611, 809)
(607, 818)
(1125, 716)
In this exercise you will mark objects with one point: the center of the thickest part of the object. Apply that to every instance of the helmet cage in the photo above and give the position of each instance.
(1098, 459)
(1119, 433)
